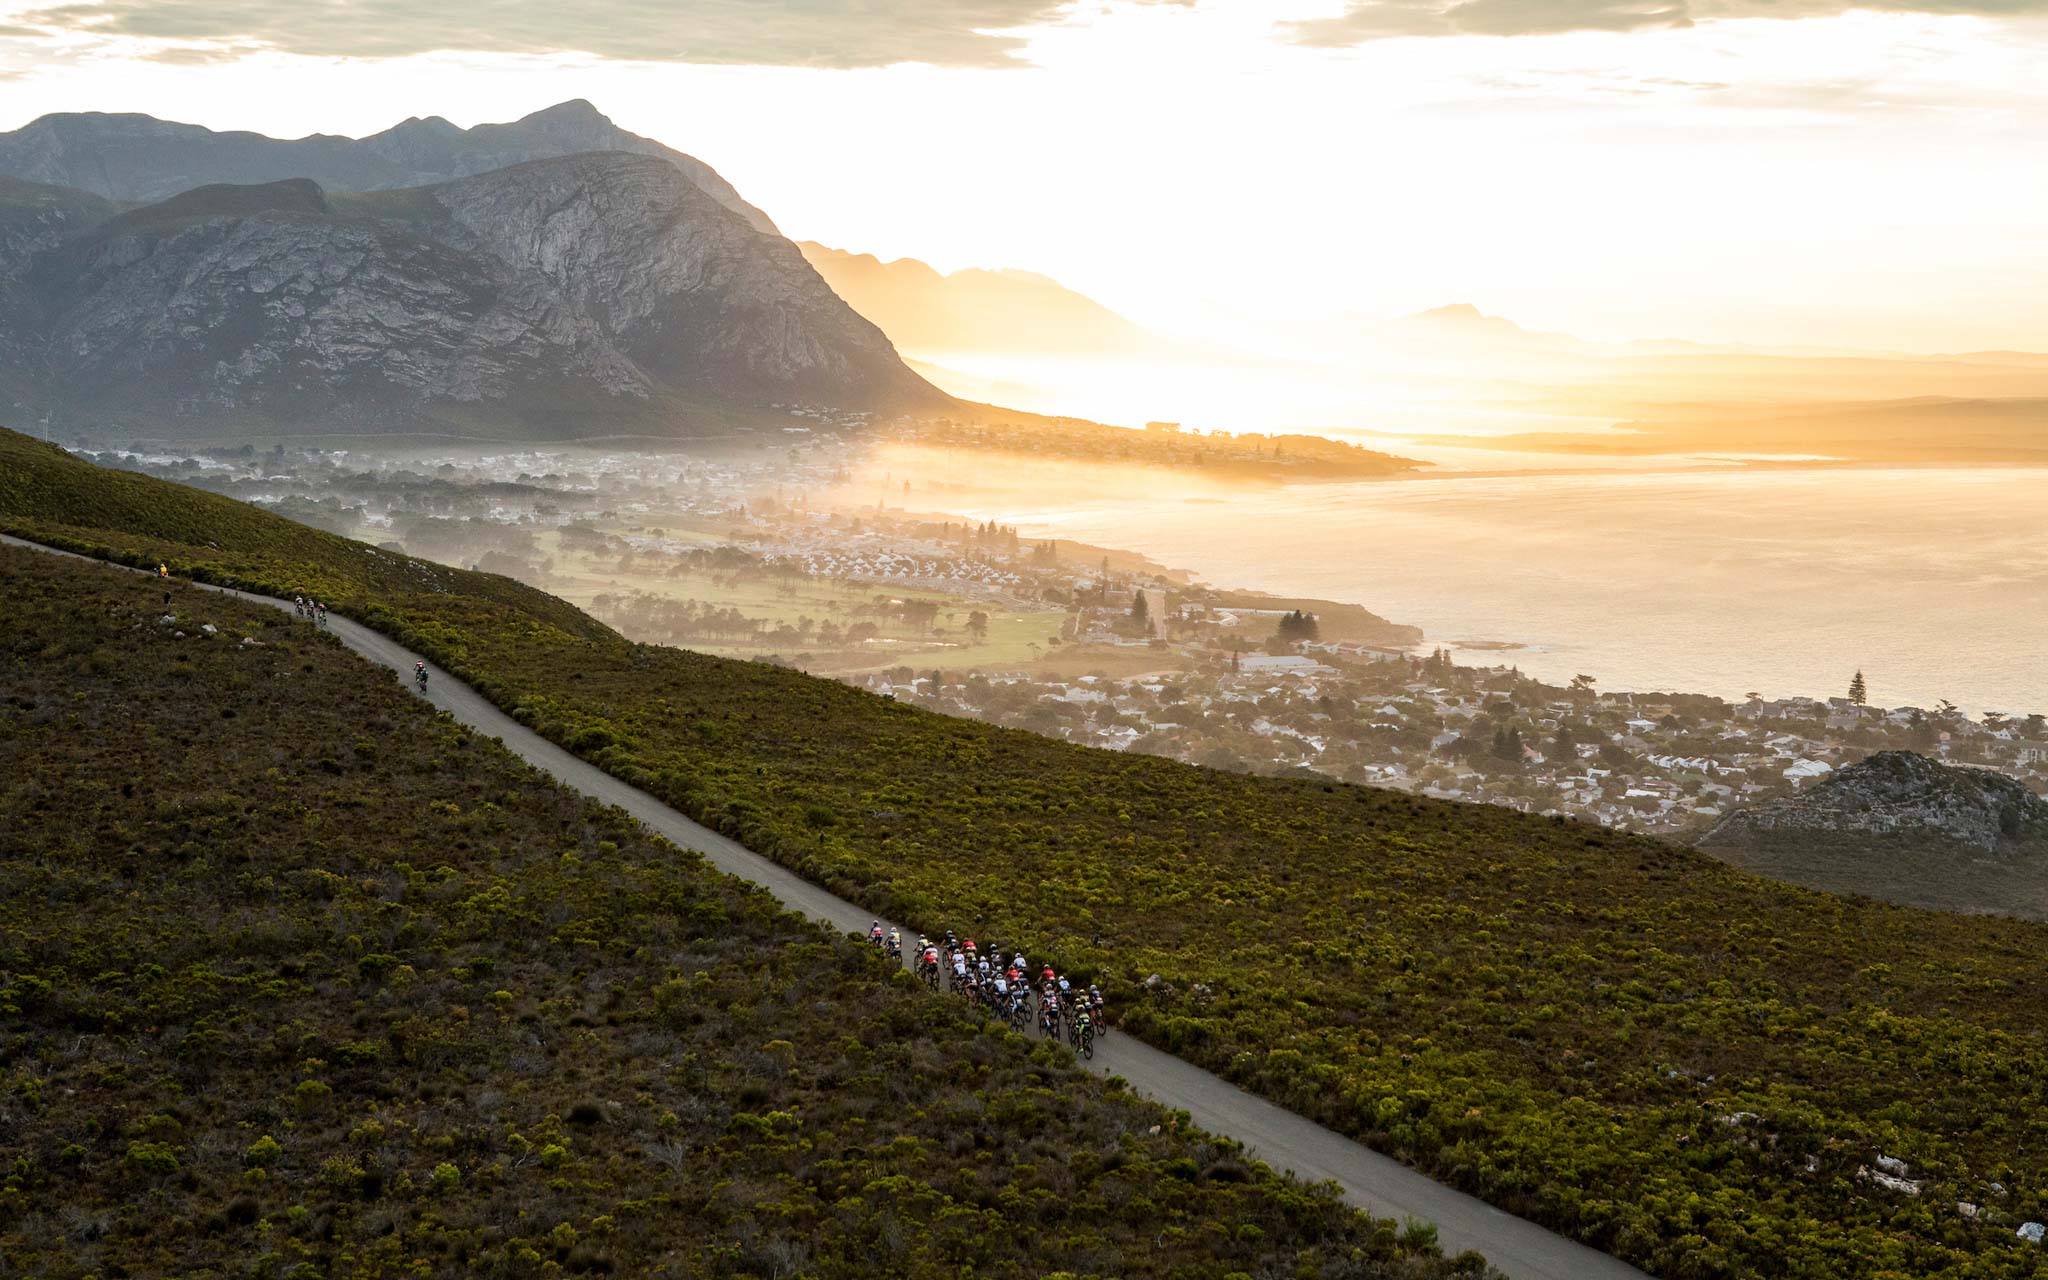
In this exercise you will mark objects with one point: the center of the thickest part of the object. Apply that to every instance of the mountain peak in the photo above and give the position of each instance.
(1452, 311)
(580, 111)
(440, 126)
(1463, 315)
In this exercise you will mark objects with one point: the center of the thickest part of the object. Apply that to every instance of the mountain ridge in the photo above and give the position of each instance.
(131, 156)
(1005, 309)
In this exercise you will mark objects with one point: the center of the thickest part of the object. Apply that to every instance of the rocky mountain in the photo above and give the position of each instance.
(141, 158)
(574, 297)
(1900, 793)
(1901, 826)
(922, 309)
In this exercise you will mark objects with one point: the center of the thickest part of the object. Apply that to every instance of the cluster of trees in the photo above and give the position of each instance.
(1074, 439)
(662, 619)
(1297, 626)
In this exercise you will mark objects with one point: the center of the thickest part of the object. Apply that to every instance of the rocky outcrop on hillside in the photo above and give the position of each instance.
(565, 298)
(1900, 794)
(141, 158)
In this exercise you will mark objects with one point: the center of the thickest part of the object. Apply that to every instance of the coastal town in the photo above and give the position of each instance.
(793, 557)
(1664, 763)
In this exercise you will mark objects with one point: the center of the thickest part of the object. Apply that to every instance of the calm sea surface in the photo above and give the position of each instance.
(1934, 582)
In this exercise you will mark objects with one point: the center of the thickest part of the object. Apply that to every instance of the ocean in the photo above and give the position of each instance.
(1932, 581)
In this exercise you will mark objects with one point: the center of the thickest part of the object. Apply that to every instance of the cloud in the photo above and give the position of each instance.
(1383, 19)
(1368, 20)
(804, 33)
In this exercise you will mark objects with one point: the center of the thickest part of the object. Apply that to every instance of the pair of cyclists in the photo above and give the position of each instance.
(893, 943)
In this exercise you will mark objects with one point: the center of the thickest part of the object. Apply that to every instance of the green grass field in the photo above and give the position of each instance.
(1689, 1066)
(299, 979)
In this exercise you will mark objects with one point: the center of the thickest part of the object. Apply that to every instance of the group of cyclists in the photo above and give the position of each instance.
(1009, 990)
(316, 613)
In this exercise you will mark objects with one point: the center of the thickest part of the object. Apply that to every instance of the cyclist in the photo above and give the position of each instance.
(895, 944)
(875, 933)
(419, 673)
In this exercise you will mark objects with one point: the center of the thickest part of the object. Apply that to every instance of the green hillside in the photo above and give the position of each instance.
(1692, 1067)
(298, 979)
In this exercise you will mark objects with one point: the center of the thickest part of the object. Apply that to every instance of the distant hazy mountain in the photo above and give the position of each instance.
(1904, 827)
(578, 296)
(142, 158)
(922, 309)
(1462, 320)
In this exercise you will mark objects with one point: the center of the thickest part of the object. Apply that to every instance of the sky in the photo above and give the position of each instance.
(1761, 171)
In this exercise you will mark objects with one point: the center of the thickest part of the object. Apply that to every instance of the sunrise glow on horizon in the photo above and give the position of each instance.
(1851, 178)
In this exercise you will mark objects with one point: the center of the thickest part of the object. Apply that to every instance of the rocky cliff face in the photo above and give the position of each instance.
(575, 297)
(141, 158)
(1898, 794)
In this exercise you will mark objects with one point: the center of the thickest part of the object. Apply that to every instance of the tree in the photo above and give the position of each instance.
(1858, 692)
(1298, 626)
(1141, 613)
(1583, 683)
(977, 624)
(1920, 730)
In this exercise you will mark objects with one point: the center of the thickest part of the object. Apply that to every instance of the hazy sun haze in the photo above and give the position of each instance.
(1217, 170)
